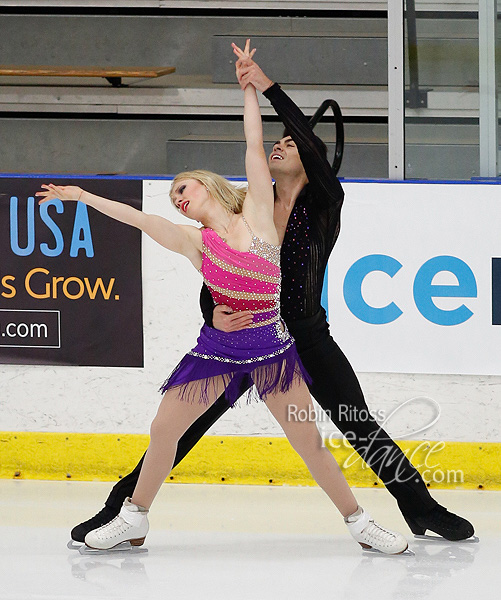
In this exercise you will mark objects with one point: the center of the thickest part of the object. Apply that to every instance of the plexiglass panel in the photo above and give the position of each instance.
(441, 90)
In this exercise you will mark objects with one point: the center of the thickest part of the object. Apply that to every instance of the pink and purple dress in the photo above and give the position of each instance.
(263, 356)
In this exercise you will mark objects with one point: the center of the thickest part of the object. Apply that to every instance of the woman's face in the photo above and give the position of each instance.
(190, 197)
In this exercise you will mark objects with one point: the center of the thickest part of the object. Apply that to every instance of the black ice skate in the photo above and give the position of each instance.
(78, 533)
(445, 524)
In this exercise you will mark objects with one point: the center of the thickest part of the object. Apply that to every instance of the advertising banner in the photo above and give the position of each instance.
(415, 278)
(70, 277)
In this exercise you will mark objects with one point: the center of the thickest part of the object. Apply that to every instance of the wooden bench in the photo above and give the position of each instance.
(113, 75)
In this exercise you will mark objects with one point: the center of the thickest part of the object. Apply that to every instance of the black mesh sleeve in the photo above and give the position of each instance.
(318, 170)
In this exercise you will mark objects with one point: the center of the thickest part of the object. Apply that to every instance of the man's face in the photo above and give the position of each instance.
(284, 158)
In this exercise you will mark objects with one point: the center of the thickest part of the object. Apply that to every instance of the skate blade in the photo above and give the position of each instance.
(72, 545)
(438, 538)
(124, 547)
(406, 552)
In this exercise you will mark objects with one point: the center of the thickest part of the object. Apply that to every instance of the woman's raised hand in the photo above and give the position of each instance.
(248, 71)
(246, 52)
(244, 61)
(61, 192)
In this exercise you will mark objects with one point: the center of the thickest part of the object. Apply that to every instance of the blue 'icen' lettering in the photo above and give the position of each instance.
(424, 290)
(352, 289)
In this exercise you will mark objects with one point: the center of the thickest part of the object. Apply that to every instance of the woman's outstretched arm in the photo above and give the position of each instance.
(183, 239)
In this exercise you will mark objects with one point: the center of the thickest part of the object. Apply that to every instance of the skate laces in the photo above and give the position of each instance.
(114, 528)
(374, 532)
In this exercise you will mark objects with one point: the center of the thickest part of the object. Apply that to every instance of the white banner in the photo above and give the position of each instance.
(415, 278)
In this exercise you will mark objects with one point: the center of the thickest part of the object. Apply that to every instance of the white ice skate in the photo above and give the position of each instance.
(127, 530)
(372, 536)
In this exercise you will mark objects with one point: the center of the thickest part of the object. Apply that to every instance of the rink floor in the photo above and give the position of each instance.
(239, 542)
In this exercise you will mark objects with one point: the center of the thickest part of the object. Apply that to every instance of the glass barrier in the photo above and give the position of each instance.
(441, 99)
(496, 73)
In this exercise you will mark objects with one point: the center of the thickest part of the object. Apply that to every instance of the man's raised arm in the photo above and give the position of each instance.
(310, 147)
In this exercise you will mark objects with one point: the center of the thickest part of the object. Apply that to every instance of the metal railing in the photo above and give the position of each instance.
(338, 120)
(415, 97)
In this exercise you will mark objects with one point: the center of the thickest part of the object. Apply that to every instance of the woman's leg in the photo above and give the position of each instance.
(336, 388)
(125, 486)
(306, 441)
(173, 418)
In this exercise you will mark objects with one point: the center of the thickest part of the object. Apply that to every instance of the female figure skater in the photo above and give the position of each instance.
(237, 253)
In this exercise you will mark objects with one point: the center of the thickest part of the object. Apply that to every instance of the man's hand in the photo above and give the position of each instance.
(226, 320)
(248, 71)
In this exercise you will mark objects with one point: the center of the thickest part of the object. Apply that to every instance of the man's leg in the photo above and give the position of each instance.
(337, 390)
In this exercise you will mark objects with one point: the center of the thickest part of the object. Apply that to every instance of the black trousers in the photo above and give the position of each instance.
(336, 388)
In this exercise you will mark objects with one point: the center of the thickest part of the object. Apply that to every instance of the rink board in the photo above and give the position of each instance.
(407, 224)
(237, 460)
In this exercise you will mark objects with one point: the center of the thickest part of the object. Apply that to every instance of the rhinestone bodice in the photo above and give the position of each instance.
(243, 280)
(262, 248)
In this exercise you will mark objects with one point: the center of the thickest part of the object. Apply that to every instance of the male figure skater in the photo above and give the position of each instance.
(308, 200)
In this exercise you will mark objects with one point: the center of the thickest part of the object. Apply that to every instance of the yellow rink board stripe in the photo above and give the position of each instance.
(235, 459)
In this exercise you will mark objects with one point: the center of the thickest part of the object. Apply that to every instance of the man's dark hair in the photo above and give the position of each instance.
(320, 143)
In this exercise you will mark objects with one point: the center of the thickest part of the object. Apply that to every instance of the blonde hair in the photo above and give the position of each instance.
(230, 197)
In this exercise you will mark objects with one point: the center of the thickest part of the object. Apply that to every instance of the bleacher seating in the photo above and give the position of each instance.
(163, 123)
(113, 75)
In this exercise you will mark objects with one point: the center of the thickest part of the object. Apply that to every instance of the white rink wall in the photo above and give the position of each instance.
(124, 400)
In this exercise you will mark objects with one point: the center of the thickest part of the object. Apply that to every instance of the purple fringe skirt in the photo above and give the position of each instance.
(262, 359)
